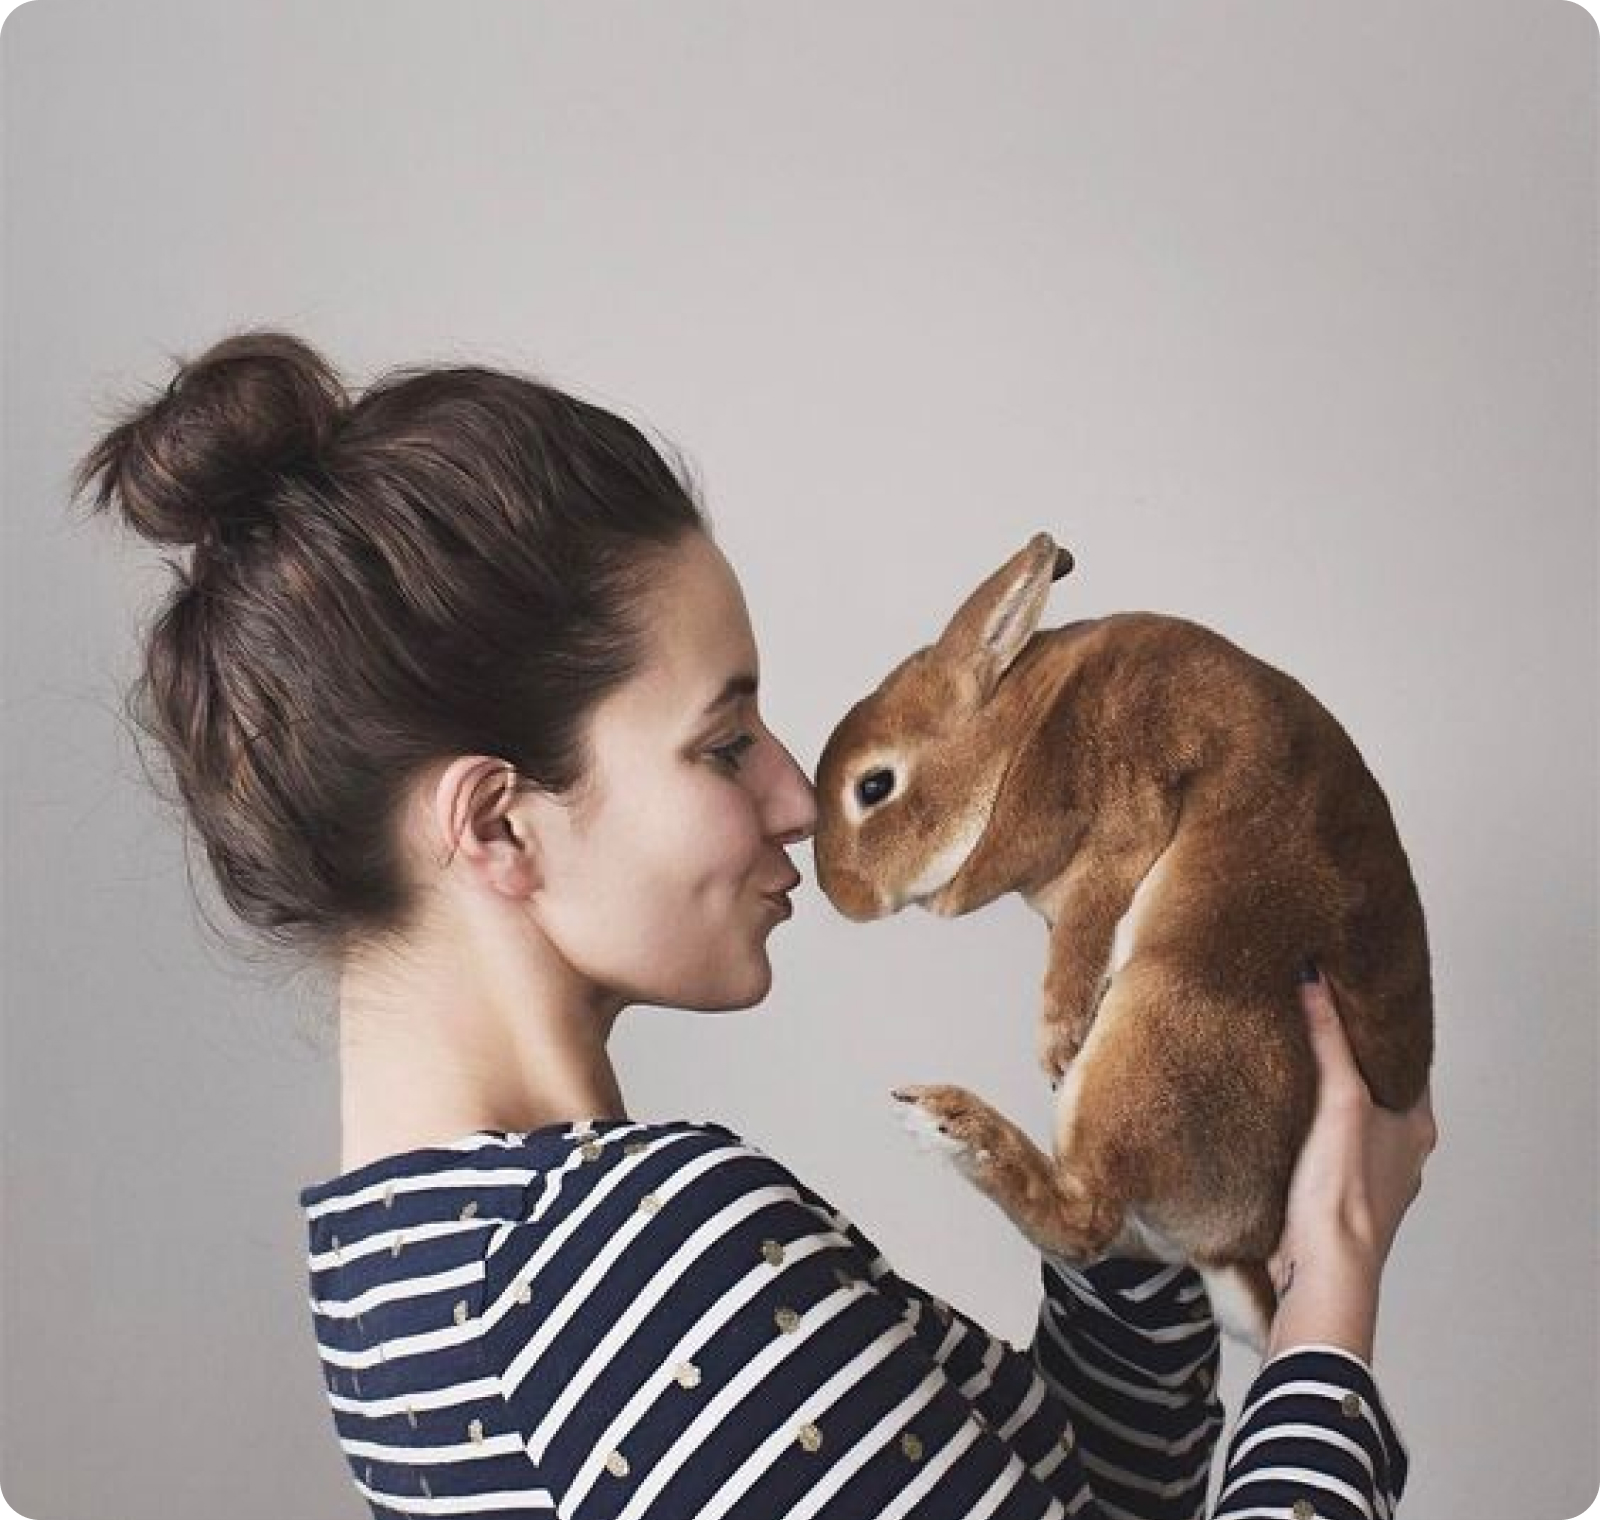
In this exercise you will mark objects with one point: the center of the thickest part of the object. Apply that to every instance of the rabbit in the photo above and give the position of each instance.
(1192, 824)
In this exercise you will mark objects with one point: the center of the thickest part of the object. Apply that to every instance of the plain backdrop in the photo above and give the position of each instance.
(1281, 316)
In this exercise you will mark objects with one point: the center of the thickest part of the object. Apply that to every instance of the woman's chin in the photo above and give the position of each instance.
(750, 988)
(763, 979)
(758, 981)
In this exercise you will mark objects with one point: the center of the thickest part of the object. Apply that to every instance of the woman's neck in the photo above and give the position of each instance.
(436, 1049)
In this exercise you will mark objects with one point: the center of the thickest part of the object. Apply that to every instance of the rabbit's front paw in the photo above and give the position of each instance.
(953, 1121)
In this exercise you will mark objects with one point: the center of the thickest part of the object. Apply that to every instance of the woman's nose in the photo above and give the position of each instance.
(794, 803)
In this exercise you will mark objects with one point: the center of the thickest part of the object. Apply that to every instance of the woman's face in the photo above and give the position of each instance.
(658, 885)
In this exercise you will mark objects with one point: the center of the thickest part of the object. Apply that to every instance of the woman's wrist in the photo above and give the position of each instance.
(1328, 1296)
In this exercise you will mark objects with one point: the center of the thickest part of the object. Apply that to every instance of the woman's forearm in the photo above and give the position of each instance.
(1331, 1298)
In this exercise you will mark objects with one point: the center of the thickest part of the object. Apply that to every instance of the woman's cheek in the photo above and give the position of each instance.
(723, 833)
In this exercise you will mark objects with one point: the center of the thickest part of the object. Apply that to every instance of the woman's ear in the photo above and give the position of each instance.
(485, 824)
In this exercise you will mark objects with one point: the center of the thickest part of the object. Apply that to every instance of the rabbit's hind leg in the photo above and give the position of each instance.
(1050, 1207)
(1122, 1128)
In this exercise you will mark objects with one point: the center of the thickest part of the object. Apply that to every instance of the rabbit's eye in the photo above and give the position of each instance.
(875, 786)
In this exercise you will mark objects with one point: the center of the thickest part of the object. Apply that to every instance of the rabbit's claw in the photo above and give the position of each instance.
(1057, 1048)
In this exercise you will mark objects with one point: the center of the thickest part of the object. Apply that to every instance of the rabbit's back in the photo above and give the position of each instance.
(1289, 847)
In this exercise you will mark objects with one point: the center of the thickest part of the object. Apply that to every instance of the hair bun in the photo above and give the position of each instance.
(204, 458)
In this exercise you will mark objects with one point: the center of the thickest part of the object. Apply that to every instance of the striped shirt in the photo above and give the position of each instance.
(658, 1321)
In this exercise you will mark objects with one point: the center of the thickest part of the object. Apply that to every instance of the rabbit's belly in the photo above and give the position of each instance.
(1125, 937)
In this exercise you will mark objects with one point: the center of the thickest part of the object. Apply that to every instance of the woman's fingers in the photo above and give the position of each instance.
(1360, 1166)
(1341, 1077)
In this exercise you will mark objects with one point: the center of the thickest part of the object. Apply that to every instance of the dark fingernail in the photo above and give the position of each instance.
(1308, 971)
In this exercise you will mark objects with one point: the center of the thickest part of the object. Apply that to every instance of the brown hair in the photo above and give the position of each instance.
(454, 563)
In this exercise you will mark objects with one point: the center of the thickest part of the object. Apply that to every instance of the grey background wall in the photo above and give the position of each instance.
(1281, 316)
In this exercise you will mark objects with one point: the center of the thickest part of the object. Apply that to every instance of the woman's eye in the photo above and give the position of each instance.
(729, 753)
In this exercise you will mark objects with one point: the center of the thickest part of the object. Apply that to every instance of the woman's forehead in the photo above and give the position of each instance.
(697, 637)
(704, 624)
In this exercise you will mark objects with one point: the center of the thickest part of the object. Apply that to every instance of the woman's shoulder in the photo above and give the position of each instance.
(629, 1201)
(644, 1238)
(490, 1184)
(653, 1284)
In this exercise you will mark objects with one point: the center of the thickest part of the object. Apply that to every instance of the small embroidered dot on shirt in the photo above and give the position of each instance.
(911, 1446)
(617, 1463)
(773, 1251)
(525, 1293)
(1350, 1405)
(809, 1437)
(469, 1210)
(786, 1319)
(461, 1312)
(1304, 1510)
(591, 1150)
(633, 1147)
(649, 1204)
(688, 1374)
(475, 1430)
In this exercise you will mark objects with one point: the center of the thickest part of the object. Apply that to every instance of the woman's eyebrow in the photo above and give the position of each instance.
(736, 686)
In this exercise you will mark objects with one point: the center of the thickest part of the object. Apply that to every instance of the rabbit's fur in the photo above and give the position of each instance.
(1192, 824)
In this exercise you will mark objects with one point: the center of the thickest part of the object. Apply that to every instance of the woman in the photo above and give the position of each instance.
(461, 697)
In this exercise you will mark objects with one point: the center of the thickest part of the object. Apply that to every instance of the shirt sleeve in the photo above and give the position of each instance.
(689, 1330)
(1133, 1350)
(1313, 1439)
(1128, 1352)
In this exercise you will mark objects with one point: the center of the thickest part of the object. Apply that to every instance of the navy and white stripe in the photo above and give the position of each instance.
(657, 1321)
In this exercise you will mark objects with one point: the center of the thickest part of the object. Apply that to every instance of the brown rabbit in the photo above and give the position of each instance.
(1192, 824)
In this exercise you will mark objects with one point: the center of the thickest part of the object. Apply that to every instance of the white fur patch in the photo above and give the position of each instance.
(1136, 1231)
(1127, 930)
(1235, 1309)
(1067, 1092)
(1123, 941)
(926, 1132)
(924, 1129)
(941, 870)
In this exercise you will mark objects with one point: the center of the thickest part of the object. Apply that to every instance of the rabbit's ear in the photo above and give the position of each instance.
(993, 623)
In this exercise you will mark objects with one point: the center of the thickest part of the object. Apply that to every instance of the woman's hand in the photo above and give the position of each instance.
(1357, 1173)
